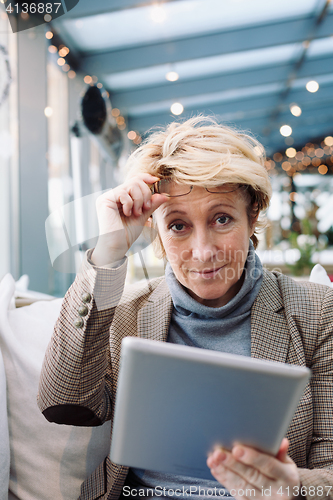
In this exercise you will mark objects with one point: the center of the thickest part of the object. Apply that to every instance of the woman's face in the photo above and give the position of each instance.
(206, 240)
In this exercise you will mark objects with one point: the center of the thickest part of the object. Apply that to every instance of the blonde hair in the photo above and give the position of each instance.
(200, 151)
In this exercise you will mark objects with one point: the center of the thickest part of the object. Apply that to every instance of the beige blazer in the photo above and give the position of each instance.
(290, 322)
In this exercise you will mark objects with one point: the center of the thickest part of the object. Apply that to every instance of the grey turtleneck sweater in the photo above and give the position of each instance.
(227, 329)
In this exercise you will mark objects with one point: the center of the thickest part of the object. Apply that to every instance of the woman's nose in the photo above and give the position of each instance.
(203, 248)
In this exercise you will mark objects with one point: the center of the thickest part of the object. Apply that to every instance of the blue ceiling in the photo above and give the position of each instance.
(245, 61)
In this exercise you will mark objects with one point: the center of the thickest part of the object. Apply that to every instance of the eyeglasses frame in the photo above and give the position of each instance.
(155, 190)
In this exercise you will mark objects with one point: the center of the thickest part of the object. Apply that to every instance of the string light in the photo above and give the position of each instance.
(87, 79)
(115, 112)
(277, 157)
(291, 152)
(131, 135)
(312, 86)
(71, 74)
(295, 110)
(52, 49)
(286, 130)
(328, 140)
(172, 76)
(61, 61)
(306, 161)
(286, 166)
(48, 111)
(49, 35)
(63, 51)
(310, 158)
(322, 169)
(158, 14)
(269, 164)
(177, 108)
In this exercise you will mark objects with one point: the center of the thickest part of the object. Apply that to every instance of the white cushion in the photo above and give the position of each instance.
(319, 275)
(48, 461)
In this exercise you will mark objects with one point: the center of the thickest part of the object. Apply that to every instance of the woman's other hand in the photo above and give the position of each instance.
(245, 468)
(122, 212)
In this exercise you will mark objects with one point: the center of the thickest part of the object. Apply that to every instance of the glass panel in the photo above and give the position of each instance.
(9, 206)
(209, 65)
(60, 187)
(174, 19)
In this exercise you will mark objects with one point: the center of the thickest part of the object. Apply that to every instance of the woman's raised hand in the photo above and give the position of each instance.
(122, 212)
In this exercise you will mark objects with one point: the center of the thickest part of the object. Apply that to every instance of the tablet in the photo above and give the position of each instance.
(175, 403)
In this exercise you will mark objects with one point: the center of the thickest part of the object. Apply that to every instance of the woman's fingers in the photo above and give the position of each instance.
(226, 465)
(140, 193)
(282, 453)
(125, 203)
(266, 465)
(229, 477)
(245, 467)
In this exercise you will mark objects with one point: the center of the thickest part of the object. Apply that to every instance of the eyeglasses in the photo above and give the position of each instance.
(173, 189)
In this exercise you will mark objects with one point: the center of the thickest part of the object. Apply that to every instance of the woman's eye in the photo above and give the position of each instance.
(224, 219)
(177, 227)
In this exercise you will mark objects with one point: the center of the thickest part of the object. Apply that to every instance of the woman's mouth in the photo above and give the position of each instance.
(206, 273)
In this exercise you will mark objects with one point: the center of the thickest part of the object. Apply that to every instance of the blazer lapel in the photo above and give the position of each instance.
(154, 318)
(270, 337)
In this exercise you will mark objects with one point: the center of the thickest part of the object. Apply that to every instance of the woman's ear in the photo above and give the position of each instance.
(254, 223)
(254, 218)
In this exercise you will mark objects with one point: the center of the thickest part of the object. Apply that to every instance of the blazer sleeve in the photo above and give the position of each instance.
(317, 480)
(75, 381)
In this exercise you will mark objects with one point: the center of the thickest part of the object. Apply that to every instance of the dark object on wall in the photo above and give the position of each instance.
(93, 110)
(97, 118)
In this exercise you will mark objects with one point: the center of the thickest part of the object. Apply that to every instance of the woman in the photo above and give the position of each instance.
(202, 187)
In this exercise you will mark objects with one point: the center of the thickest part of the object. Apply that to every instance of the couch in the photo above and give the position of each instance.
(38, 460)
